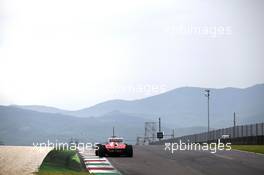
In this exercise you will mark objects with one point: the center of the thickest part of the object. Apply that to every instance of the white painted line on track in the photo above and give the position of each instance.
(223, 156)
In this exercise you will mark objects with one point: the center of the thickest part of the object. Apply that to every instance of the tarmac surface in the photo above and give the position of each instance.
(154, 160)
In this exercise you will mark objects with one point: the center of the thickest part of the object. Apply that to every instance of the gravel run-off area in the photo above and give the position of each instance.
(22, 160)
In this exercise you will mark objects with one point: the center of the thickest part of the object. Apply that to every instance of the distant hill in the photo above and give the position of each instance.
(184, 109)
(40, 108)
(23, 127)
(187, 106)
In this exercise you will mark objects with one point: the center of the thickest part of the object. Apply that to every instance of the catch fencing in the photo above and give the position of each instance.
(244, 134)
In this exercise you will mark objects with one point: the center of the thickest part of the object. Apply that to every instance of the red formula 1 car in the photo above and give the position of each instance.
(114, 147)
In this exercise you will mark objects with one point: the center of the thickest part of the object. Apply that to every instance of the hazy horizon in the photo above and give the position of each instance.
(72, 55)
(128, 99)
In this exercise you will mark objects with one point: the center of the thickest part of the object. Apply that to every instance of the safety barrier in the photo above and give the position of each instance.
(244, 134)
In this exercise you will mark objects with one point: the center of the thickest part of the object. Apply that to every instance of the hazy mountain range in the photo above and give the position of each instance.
(184, 109)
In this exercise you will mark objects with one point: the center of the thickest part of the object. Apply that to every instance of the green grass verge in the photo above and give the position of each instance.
(62, 162)
(249, 148)
(57, 170)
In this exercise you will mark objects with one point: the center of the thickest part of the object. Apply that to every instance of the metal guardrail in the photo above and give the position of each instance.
(233, 132)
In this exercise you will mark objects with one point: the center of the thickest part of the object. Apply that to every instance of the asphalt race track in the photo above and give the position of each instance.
(153, 160)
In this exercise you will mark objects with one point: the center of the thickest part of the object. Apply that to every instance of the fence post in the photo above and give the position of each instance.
(262, 128)
(242, 132)
(256, 129)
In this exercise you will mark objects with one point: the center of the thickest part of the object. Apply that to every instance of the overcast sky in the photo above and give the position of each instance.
(76, 53)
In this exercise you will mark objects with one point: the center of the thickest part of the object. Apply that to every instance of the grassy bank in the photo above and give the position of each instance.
(62, 162)
(250, 148)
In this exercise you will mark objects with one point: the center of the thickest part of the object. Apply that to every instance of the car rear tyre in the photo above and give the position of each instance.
(129, 151)
(101, 151)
